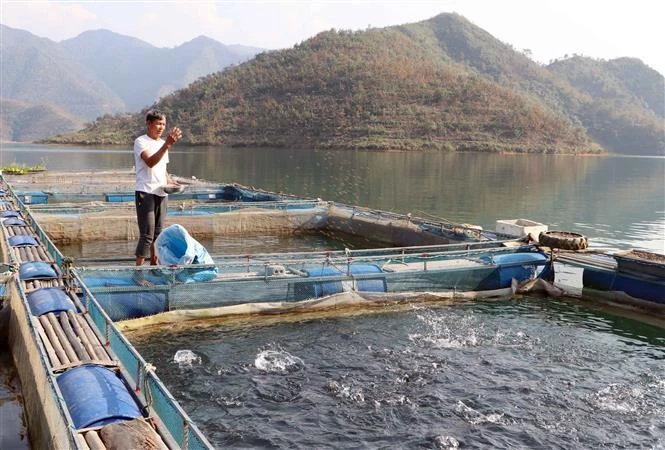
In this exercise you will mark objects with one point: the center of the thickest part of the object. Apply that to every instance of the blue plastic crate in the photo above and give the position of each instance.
(119, 197)
(33, 198)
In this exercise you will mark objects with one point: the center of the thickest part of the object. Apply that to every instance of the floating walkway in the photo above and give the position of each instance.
(84, 385)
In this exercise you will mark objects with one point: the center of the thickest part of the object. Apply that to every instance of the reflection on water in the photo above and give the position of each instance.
(12, 423)
(616, 201)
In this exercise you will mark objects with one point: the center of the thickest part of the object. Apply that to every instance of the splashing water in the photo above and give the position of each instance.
(186, 358)
(344, 391)
(475, 417)
(444, 333)
(446, 442)
(619, 398)
(277, 361)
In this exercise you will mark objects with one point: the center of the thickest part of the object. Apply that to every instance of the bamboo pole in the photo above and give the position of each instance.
(31, 254)
(81, 334)
(83, 445)
(42, 252)
(35, 253)
(94, 340)
(55, 361)
(71, 354)
(62, 356)
(94, 441)
(73, 339)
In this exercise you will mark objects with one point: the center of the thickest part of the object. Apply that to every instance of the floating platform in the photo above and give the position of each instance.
(84, 385)
(63, 330)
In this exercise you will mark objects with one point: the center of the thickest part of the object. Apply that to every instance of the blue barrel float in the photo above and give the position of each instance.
(22, 240)
(314, 289)
(46, 300)
(13, 222)
(128, 304)
(36, 270)
(9, 213)
(521, 266)
(96, 396)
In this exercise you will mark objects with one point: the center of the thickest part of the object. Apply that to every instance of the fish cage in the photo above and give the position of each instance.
(129, 292)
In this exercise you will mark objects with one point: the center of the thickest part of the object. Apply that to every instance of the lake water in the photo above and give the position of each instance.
(527, 373)
(533, 373)
(616, 201)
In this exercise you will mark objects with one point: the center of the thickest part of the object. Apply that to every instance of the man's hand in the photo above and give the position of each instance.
(174, 136)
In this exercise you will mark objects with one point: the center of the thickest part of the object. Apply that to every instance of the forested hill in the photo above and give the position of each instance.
(439, 84)
(628, 105)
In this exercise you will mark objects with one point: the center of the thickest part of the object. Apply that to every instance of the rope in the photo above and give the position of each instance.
(147, 393)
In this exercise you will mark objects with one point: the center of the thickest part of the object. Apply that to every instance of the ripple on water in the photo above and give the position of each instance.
(529, 374)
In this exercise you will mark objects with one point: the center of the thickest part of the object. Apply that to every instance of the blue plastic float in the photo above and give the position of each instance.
(47, 300)
(13, 221)
(175, 247)
(518, 266)
(22, 240)
(95, 396)
(128, 305)
(315, 289)
(36, 270)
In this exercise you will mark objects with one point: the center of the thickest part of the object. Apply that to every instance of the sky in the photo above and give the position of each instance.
(549, 29)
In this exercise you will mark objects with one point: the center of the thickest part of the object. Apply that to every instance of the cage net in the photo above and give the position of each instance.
(129, 292)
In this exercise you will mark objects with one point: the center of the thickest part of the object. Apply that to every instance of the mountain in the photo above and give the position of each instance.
(442, 83)
(38, 71)
(623, 120)
(390, 88)
(100, 72)
(21, 121)
(141, 73)
(628, 106)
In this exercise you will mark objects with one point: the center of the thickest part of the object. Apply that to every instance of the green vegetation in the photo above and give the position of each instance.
(441, 85)
(626, 113)
(21, 169)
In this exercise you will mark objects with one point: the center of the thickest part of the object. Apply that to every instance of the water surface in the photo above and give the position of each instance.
(516, 374)
(617, 201)
(535, 373)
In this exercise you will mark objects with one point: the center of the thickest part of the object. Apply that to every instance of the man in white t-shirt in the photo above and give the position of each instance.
(150, 159)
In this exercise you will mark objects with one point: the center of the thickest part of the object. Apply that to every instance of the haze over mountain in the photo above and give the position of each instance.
(628, 101)
(442, 83)
(32, 122)
(100, 72)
